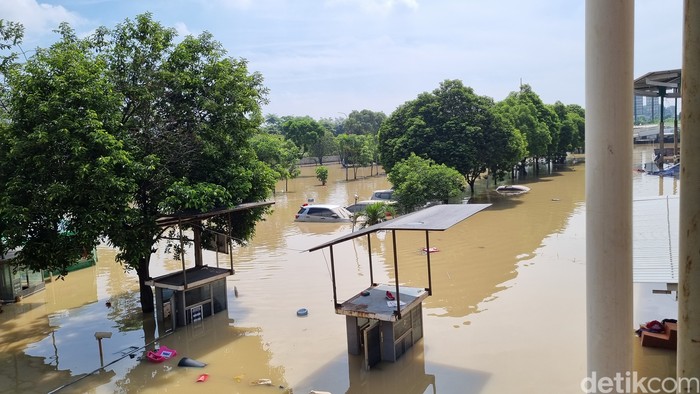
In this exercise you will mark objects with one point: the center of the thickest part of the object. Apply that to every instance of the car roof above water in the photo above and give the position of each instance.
(329, 206)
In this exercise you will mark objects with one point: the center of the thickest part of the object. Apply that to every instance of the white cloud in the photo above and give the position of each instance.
(381, 7)
(38, 18)
(182, 30)
(240, 4)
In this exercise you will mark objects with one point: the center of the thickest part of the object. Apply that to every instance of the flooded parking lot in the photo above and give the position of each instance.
(507, 312)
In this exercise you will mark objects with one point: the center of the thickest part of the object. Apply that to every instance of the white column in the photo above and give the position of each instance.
(688, 364)
(609, 123)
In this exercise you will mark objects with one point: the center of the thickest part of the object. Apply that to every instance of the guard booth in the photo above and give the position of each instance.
(383, 321)
(15, 284)
(192, 294)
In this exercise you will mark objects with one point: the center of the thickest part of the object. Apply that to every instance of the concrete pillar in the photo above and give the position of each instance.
(609, 123)
(688, 364)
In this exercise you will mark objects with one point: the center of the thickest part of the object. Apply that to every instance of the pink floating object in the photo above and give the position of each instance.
(161, 354)
(203, 377)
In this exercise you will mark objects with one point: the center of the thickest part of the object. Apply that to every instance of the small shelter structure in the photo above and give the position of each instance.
(194, 293)
(663, 84)
(385, 320)
(14, 283)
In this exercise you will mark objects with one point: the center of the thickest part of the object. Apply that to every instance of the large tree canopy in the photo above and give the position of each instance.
(304, 131)
(452, 126)
(364, 122)
(279, 153)
(537, 122)
(64, 171)
(120, 128)
(418, 181)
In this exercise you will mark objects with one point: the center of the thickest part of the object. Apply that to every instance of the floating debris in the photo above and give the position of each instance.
(188, 362)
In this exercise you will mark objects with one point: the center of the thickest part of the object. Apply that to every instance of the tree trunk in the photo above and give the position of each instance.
(145, 291)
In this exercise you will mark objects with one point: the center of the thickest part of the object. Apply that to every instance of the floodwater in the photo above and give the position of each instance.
(507, 312)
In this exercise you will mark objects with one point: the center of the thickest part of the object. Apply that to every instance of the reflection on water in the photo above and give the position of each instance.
(506, 315)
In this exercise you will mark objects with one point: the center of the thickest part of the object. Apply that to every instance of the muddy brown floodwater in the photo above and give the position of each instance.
(507, 313)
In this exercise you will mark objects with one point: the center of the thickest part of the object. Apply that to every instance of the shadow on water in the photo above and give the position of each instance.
(408, 375)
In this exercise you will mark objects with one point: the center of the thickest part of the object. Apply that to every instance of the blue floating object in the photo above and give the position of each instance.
(302, 312)
(188, 362)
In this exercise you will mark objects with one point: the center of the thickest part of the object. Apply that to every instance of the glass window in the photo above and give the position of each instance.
(197, 295)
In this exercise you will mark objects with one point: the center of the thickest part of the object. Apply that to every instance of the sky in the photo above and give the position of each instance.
(326, 58)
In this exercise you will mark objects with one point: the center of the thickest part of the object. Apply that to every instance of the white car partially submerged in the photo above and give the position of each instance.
(323, 213)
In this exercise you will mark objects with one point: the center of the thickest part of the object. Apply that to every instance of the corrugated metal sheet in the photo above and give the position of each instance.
(655, 243)
(436, 218)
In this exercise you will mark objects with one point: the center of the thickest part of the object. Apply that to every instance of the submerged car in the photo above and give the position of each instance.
(362, 205)
(323, 213)
(382, 195)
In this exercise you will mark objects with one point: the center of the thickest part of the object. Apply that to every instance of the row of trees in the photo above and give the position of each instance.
(450, 126)
(472, 134)
(353, 139)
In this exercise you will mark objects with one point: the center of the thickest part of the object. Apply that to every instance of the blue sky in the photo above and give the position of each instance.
(325, 58)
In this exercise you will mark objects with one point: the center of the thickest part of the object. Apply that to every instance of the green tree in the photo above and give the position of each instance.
(418, 181)
(335, 125)
(273, 123)
(364, 122)
(303, 131)
(181, 116)
(322, 174)
(65, 174)
(370, 153)
(353, 153)
(576, 116)
(279, 153)
(452, 126)
(538, 123)
(505, 149)
(376, 213)
(325, 145)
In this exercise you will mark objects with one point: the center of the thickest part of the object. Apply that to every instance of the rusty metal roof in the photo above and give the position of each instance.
(435, 218)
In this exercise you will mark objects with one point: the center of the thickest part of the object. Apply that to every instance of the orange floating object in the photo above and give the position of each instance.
(203, 377)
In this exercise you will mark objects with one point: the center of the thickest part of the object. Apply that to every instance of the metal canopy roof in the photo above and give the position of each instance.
(192, 277)
(435, 218)
(652, 84)
(194, 216)
(655, 245)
